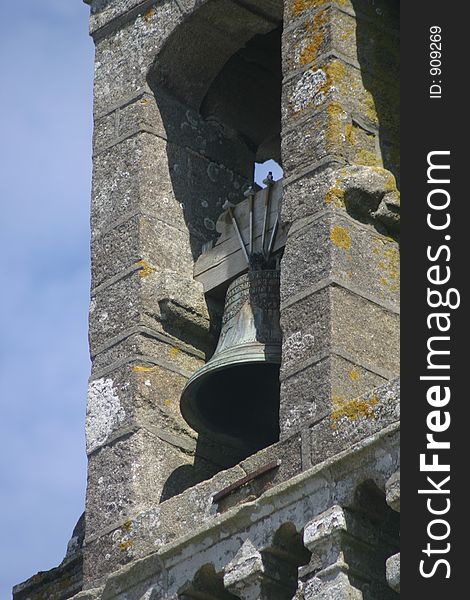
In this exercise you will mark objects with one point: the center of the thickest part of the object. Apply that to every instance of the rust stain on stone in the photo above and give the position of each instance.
(149, 15)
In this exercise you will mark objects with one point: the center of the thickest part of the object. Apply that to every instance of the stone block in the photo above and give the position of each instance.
(365, 331)
(334, 245)
(116, 250)
(126, 53)
(306, 330)
(133, 175)
(115, 309)
(392, 491)
(305, 396)
(127, 476)
(393, 572)
(355, 420)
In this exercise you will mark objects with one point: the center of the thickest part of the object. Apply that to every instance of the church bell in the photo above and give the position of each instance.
(236, 394)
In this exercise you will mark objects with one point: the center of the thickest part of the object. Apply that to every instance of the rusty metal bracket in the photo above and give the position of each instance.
(244, 480)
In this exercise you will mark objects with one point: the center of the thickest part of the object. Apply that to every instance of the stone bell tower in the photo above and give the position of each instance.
(188, 95)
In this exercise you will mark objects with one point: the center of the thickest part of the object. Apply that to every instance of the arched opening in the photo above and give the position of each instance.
(282, 561)
(377, 527)
(217, 85)
(207, 584)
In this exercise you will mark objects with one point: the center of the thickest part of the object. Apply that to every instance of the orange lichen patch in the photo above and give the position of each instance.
(127, 526)
(316, 32)
(145, 268)
(354, 375)
(352, 409)
(340, 237)
(299, 6)
(145, 101)
(149, 15)
(335, 71)
(334, 129)
(142, 369)
(174, 351)
(123, 546)
(168, 403)
(350, 133)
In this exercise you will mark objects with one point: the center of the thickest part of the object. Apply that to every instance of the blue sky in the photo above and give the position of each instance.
(46, 61)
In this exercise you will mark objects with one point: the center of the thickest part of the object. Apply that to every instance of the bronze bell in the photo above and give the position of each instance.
(235, 396)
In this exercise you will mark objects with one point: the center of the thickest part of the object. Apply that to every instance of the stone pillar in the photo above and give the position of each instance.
(160, 176)
(392, 566)
(260, 576)
(340, 272)
(346, 559)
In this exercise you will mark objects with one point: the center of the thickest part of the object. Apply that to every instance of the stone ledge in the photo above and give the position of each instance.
(294, 500)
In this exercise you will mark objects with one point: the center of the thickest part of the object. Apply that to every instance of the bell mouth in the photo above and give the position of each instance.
(236, 403)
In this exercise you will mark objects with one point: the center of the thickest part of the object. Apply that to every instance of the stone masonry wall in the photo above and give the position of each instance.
(340, 271)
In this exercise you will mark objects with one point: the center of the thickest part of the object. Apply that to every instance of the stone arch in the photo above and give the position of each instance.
(374, 528)
(282, 561)
(206, 584)
(217, 84)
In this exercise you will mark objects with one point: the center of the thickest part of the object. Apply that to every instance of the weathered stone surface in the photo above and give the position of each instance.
(353, 420)
(333, 245)
(393, 572)
(392, 490)
(192, 540)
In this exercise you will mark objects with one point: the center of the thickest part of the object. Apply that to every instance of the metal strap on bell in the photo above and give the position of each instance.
(235, 396)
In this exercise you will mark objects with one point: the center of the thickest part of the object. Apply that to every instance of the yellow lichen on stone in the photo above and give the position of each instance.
(174, 351)
(350, 133)
(390, 183)
(370, 109)
(123, 546)
(348, 32)
(142, 369)
(336, 71)
(299, 6)
(335, 197)
(352, 409)
(340, 237)
(389, 265)
(145, 268)
(368, 158)
(127, 526)
(316, 33)
(334, 129)
(354, 375)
